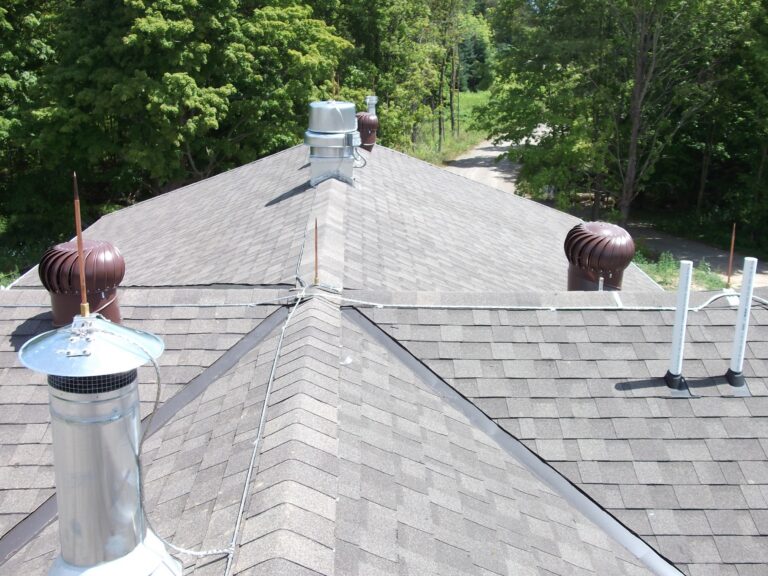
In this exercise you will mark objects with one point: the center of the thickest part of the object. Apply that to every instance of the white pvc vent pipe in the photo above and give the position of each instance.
(674, 376)
(735, 374)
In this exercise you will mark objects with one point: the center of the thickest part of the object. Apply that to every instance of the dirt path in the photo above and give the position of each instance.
(480, 164)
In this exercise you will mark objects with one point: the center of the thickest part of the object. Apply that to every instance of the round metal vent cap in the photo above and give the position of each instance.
(90, 346)
(332, 116)
(60, 273)
(599, 246)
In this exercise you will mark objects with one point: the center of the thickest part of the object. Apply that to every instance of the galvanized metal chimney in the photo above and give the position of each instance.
(598, 254)
(332, 138)
(94, 404)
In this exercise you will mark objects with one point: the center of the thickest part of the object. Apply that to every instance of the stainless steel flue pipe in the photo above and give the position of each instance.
(94, 404)
(95, 447)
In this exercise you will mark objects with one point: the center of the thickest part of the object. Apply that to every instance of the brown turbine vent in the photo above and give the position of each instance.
(597, 250)
(104, 270)
(368, 124)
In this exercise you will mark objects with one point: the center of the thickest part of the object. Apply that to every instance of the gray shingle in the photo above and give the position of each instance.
(364, 470)
(620, 433)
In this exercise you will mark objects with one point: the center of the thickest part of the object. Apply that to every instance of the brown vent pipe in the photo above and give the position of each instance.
(60, 274)
(368, 123)
(597, 251)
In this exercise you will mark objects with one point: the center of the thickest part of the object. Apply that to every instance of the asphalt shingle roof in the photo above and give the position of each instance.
(406, 225)
(366, 460)
(245, 226)
(414, 226)
(583, 388)
(196, 333)
(362, 468)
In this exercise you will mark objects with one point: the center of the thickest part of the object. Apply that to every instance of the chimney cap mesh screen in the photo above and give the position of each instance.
(92, 384)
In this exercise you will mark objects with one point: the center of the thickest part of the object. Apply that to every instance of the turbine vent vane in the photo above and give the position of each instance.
(595, 251)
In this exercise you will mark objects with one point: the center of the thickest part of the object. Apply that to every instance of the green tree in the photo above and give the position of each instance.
(150, 94)
(475, 54)
(614, 81)
(25, 35)
(718, 165)
(25, 49)
(395, 56)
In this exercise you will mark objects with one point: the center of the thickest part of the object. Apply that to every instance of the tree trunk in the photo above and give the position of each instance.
(760, 172)
(440, 111)
(453, 88)
(630, 184)
(704, 175)
(458, 99)
(597, 195)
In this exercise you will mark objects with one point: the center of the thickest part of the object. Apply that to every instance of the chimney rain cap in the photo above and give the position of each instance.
(332, 117)
(90, 346)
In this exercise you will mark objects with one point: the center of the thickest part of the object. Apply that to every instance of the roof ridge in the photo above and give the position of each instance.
(299, 502)
(328, 211)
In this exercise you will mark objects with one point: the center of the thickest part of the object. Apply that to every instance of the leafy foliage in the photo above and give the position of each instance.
(142, 96)
(155, 93)
(614, 82)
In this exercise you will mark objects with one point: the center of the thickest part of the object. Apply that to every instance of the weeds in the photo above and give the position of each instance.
(665, 271)
(705, 279)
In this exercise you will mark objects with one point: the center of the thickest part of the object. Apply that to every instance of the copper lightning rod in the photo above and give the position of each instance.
(84, 308)
(317, 278)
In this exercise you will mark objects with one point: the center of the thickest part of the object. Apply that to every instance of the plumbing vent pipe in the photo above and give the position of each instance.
(674, 376)
(735, 375)
(332, 137)
(60, 274)
(597, 251)
(94, 403)
(368, 123)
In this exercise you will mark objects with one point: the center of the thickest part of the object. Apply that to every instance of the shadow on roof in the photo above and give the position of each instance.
(31, 327)
(295, 191)
(641, 384)
(659, 383)
(692, 384)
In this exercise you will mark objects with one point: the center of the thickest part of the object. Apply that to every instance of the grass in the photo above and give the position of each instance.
(708, 231)
(426, 146)
(665, 271)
